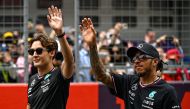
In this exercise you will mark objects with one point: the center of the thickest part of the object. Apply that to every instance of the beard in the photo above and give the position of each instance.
(146, 72)
(141, 74)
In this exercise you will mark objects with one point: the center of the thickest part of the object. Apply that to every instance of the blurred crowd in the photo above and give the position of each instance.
(112, 49)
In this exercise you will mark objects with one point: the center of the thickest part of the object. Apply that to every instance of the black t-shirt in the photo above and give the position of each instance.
(49, 92)
(159, 95)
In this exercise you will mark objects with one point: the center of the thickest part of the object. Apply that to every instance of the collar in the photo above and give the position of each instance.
(40, 77)
(152, 83)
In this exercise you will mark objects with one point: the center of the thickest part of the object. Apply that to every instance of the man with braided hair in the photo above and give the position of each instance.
(145, 90)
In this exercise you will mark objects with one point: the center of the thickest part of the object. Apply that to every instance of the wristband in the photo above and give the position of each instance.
(61, 35)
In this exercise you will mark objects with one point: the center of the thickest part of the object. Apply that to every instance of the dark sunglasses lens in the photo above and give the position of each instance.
(31, 51)
(142, 57)
(39, 51)
(138, 57)
(133, 59)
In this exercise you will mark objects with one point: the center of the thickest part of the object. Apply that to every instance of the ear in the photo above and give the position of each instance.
(52, 53)
(155, 62)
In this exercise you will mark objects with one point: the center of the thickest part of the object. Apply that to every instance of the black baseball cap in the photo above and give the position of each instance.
(144, 48)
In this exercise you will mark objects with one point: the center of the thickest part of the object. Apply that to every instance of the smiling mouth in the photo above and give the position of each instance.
(138, 66)
(36, 60)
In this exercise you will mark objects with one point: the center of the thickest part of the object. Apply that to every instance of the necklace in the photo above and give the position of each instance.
(40, 77)
(155, 81)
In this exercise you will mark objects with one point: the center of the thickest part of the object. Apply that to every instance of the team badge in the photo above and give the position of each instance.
(140, 46)
(151, 95)
(134, 87)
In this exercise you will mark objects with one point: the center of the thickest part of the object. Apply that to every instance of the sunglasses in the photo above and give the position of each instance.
(37, 50)
(141, 57)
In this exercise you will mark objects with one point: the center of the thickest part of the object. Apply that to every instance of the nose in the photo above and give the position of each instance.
(35, 54)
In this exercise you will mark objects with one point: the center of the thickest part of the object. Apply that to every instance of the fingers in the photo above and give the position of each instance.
(86, 23)
(81, 28)
(59, 13)
(50, 12)
(90, 22)
(48, 18)
(54, 11)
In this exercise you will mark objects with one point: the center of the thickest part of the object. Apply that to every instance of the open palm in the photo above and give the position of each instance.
(55, 18)
(88, 31)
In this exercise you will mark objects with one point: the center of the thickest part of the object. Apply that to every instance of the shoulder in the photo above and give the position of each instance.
(58, 73)
(167, 87)
(57, 70)
(33, 77)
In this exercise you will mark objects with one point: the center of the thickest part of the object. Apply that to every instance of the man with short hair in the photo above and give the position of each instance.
(150, 37)
(49, 88)
(145, 90)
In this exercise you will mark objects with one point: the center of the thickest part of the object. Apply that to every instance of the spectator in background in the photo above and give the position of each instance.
(174, 57)
(84, 61)
(12, 48)
(119, 26)
(58, 59)
(102, 39)
(8, 38)
(20, 61)
(117, 55)
(17, 35)
(8, 62)
(6, 74)
(30, 27)
(169, 42)
(105, 55)
(150, 37)
(71, 34)
(162, 53)
(39, 27)
(113, 37)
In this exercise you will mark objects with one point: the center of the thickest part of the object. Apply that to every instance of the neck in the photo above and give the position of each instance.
(45, 69)
(148, 79)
